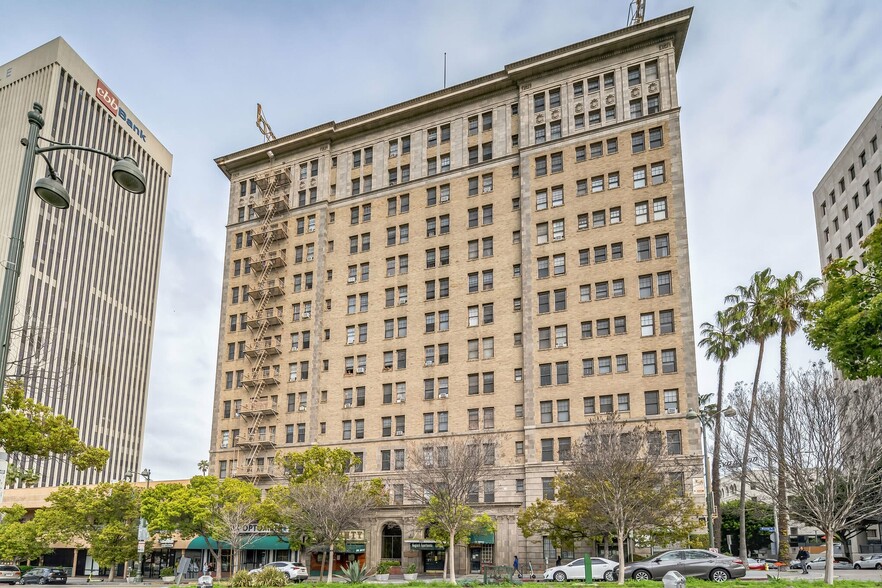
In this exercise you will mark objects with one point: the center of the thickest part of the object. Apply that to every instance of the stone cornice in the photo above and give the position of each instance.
(671, 27)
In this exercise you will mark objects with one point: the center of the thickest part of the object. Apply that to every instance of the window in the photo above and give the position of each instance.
(659, 209)
(662, 246)
(541, 166)
(636, 108)
(539, 102)
(588, 405)
(606, 404)
(649, 363)
(640, 177)
(650, 400)
(547, 449)
(674, 443)
(624, 402)
(647, 324)
(664, 283)
(637, 142)
(669, 361)
(643, 249)
(655, 138)
(672, 401)
(652, 104)
(556, 162)
(658, 173)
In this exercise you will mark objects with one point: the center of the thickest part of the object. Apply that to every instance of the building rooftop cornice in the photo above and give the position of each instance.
(672, 27)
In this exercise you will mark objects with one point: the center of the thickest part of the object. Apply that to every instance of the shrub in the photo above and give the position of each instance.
(167, 571)
(270, 577)
(242, 579)
(411, 568)
(385, 565)
(353, 573)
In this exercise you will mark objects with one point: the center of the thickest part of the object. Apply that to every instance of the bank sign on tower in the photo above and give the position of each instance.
(110, 100)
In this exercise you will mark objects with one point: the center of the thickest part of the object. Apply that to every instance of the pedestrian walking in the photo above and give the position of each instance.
(802, 558)
(558, 561)
(515, 564)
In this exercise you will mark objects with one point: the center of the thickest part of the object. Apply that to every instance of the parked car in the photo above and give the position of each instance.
(10, 574)
(866, 562)
(44, 576)
(294, 569)
(755, 564)
(601, 569)
(689, 562)
(839, 563)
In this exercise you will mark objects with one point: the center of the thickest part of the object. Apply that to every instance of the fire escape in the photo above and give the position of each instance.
(267, 267)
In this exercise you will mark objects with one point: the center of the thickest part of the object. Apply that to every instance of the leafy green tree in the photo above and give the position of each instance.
(30, 429)
(758, 514)
(847, 320)
(104, 516)
(722, 340)
(754, 303)
(20, 540)
(301, 466)
(790, 302)
(473, 524)
(206, 506)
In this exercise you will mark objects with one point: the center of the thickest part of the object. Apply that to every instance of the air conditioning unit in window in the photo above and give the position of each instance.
(351, 280)
(312, 229)
(293, 377)
(295, 347)
(309, 258)
(399, 400)
(360, 370)
(487, 190)
(430, 362)
(307, 314)
(443, 395)
(399, 433)
(671, 410)
(560, 345)
(387, 368)
(559, 238)
(403, 302)
(302, 408)
(347, 405)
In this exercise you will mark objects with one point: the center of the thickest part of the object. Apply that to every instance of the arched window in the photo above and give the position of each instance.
(391, 542)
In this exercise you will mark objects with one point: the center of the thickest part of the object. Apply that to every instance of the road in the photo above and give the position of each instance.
(868, 575)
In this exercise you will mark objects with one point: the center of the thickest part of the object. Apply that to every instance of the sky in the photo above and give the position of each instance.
(770, 93)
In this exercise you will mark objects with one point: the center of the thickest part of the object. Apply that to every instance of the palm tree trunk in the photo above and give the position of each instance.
(783, 514)
(715, 463)
(742, 528)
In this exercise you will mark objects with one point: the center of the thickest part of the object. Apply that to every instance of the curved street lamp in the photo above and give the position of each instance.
(50, 189)
(705, 416)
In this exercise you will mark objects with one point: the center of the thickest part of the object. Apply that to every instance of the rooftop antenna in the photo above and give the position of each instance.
(636, 10)
(445, 69)
(264, 126)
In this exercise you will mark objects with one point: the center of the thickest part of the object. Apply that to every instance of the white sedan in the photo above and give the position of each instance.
(869, 562)
(839, 563)
(601, 569)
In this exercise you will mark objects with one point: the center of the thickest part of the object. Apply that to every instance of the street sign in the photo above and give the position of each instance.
(141, 545)
(767, 529)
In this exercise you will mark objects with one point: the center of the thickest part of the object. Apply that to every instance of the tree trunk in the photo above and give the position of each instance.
(112, 573)
(322, 567)
(450, 555)
(742, 528)
(781, 499)
(331, 563)
(620, 541)
(444, 573)
(828, 568)
(715, 463)
(606, 545)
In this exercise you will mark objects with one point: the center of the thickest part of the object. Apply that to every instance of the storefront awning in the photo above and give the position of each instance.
(200, 543)
(267, 542)
(259, 542)
(483, 539)
(354, 547)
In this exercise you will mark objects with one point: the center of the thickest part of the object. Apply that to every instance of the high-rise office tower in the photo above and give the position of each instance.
(87, 295)
(507, 256)
(848, 199)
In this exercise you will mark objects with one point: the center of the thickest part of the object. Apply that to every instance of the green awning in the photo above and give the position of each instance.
(260, 542)
(267, 542)
(353, 547)
(200, 543)
(483, 539)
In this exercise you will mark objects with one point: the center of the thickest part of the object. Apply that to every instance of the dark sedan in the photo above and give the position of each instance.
(44, 576)
(689, 562)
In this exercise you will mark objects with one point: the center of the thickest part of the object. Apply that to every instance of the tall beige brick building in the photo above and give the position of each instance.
(507, 256)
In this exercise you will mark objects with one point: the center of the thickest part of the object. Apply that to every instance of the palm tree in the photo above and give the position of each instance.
(754, 302)
(722, 340)
(203, 466)
(790, 300)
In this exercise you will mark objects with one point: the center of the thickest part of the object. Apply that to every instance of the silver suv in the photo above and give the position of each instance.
(294, 569)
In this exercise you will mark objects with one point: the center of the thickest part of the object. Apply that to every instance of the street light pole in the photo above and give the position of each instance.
(708, 490)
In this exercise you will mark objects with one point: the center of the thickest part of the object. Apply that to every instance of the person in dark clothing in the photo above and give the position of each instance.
(802, 558)
(558, 561)
(516, 564)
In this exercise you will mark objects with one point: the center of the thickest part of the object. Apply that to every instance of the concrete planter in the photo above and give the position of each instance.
(168, 579)
(382, 577)
(410, 577)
